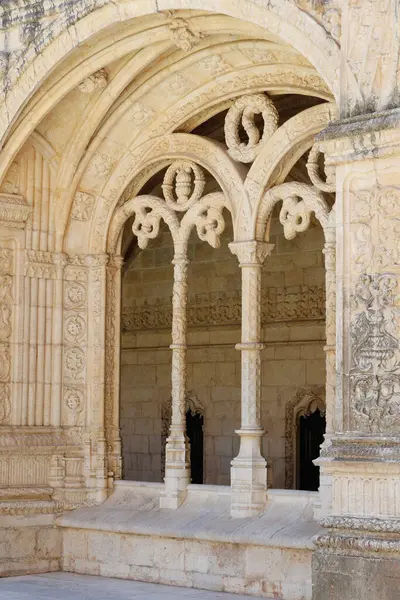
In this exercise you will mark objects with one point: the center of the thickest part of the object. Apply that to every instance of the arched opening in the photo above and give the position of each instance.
(310, 435)
(213, 365)
(79, 196)
(195, 433)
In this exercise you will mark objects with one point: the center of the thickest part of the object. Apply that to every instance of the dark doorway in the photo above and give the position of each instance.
(311, 436)
(194, 430)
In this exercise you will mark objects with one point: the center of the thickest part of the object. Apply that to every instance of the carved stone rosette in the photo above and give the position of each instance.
(248, 472)
(75, 316)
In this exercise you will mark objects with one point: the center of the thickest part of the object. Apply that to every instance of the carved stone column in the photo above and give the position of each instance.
(96, 363)
(325, 485)
(248, 472)
(112, 366)
(177, 455)
(362, 458)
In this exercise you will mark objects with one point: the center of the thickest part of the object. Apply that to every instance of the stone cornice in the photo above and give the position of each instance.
(371, 135)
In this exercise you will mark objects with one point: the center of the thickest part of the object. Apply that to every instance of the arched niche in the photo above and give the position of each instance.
(306, 401)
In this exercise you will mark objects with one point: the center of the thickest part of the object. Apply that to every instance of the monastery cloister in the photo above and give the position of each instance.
(199, 293)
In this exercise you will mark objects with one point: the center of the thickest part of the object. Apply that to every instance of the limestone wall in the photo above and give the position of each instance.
(293, 330)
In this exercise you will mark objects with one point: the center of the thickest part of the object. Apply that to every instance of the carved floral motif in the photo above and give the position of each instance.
(74, 401)
(375, 369)
(74, 362)
(14, 211)
(75, 295)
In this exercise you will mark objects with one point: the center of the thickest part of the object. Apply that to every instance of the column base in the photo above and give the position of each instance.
(177, 471)
(248, 476)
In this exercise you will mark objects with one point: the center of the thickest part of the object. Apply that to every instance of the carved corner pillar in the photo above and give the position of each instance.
(362, 457)
(112, 367)
(248, 472)
(324, 507)
(96, 369)
(177, 453)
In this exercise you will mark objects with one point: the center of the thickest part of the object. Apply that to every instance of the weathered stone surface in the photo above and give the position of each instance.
(173, 128)
(345, 576)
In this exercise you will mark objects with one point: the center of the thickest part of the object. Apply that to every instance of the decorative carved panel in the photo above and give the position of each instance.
(6, 311)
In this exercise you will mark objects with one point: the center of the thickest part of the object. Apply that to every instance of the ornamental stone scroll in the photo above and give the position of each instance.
(299, 201)
(242, 113)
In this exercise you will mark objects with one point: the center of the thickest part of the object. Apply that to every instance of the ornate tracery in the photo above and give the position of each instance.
(183, 207)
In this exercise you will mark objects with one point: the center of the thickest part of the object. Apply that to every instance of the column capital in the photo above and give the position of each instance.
(251, 253)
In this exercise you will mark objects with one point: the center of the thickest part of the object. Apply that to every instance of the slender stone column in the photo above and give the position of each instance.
(177, 455)
(325, 486)
(248, 472)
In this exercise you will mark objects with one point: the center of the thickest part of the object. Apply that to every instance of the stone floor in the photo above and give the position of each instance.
(63, 586)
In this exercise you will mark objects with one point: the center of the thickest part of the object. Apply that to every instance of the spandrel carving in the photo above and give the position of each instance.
(242, 113)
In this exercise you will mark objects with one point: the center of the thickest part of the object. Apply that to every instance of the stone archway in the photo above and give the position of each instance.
(306, 401)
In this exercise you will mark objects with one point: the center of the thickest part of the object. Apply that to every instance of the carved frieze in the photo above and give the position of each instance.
(375, 219)
(14, 211)
(356, 546)
(302, 303)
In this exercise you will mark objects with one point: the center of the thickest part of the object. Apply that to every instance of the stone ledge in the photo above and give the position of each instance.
(133, 508)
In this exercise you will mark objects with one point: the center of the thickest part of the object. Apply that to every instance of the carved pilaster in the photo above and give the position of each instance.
(248, 473)
(6, 312)
(96, 369)
(112, 358)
